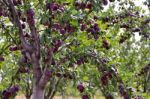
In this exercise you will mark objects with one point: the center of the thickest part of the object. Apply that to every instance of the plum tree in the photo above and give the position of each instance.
(49, 45)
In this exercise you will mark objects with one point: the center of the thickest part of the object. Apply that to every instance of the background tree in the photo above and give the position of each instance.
(48, 45)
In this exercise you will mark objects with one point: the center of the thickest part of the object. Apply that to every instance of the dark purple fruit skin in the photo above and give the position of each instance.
(121, 89)
(14, 89)
(62, 31)
(65, 75)
(52, 6)
(96, 17)
(83, 26)
(80, 61)
(121, 40)
(106, 44)
(58, 74)
(23, 70)
(30, 17)
(77, 5)
(136, 30)
(23, 26)
(104, 80)
(80, 87)
(88, 6)
(30, 13)
(85, 97)
(111, 0)
(82, 5)
(126, 97)
(124, 26)
(109, 96)
(6, 94)
(23, 19)
(147, 21)
(56, 26)
(48, 73)
(13, 48)
(23, 59)
(1, 58)
(106, 19)
(105, 2)
(57, 44)
(19, 13)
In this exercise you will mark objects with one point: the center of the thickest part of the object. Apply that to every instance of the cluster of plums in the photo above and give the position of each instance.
(144, 70)
(105, 77)
(66, 75)
(105, 2)
(4, 13)
(30, 17)
(81, 60)
(83, 5)
(91, 27)
(81, 89)
(29, 13)
(15, 48)
(56, 45)
(62, 29)
(109, 96)
(23, 70)
(94, 30)
(10, 92)
(123, 92)
(17, 3)
(55, 7)
(105, 44)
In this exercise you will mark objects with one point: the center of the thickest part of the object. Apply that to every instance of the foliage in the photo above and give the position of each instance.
(61, 45)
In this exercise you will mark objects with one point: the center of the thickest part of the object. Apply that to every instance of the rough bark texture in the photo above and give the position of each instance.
(38, 93)
(32, 49)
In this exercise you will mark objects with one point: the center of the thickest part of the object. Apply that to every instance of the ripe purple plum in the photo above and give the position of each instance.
(23, 26)
(62, 31)
(1, 59)
(30, 13)
(105, 44)
(85, 97)
(105, 2)
(13, 48)
(109, 96)
(23, 19)
(88, 5)
(48, 73)
(80, 87)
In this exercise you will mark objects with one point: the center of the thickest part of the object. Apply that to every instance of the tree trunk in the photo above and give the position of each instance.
(63, 95)
(28, 97)
(38, 93)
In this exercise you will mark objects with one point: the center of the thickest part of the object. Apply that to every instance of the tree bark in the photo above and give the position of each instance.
(28, 97)
(38, 93)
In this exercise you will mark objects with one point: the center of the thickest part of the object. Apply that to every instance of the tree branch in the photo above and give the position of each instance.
(17, 22)
(34, 52)
(45, 77)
